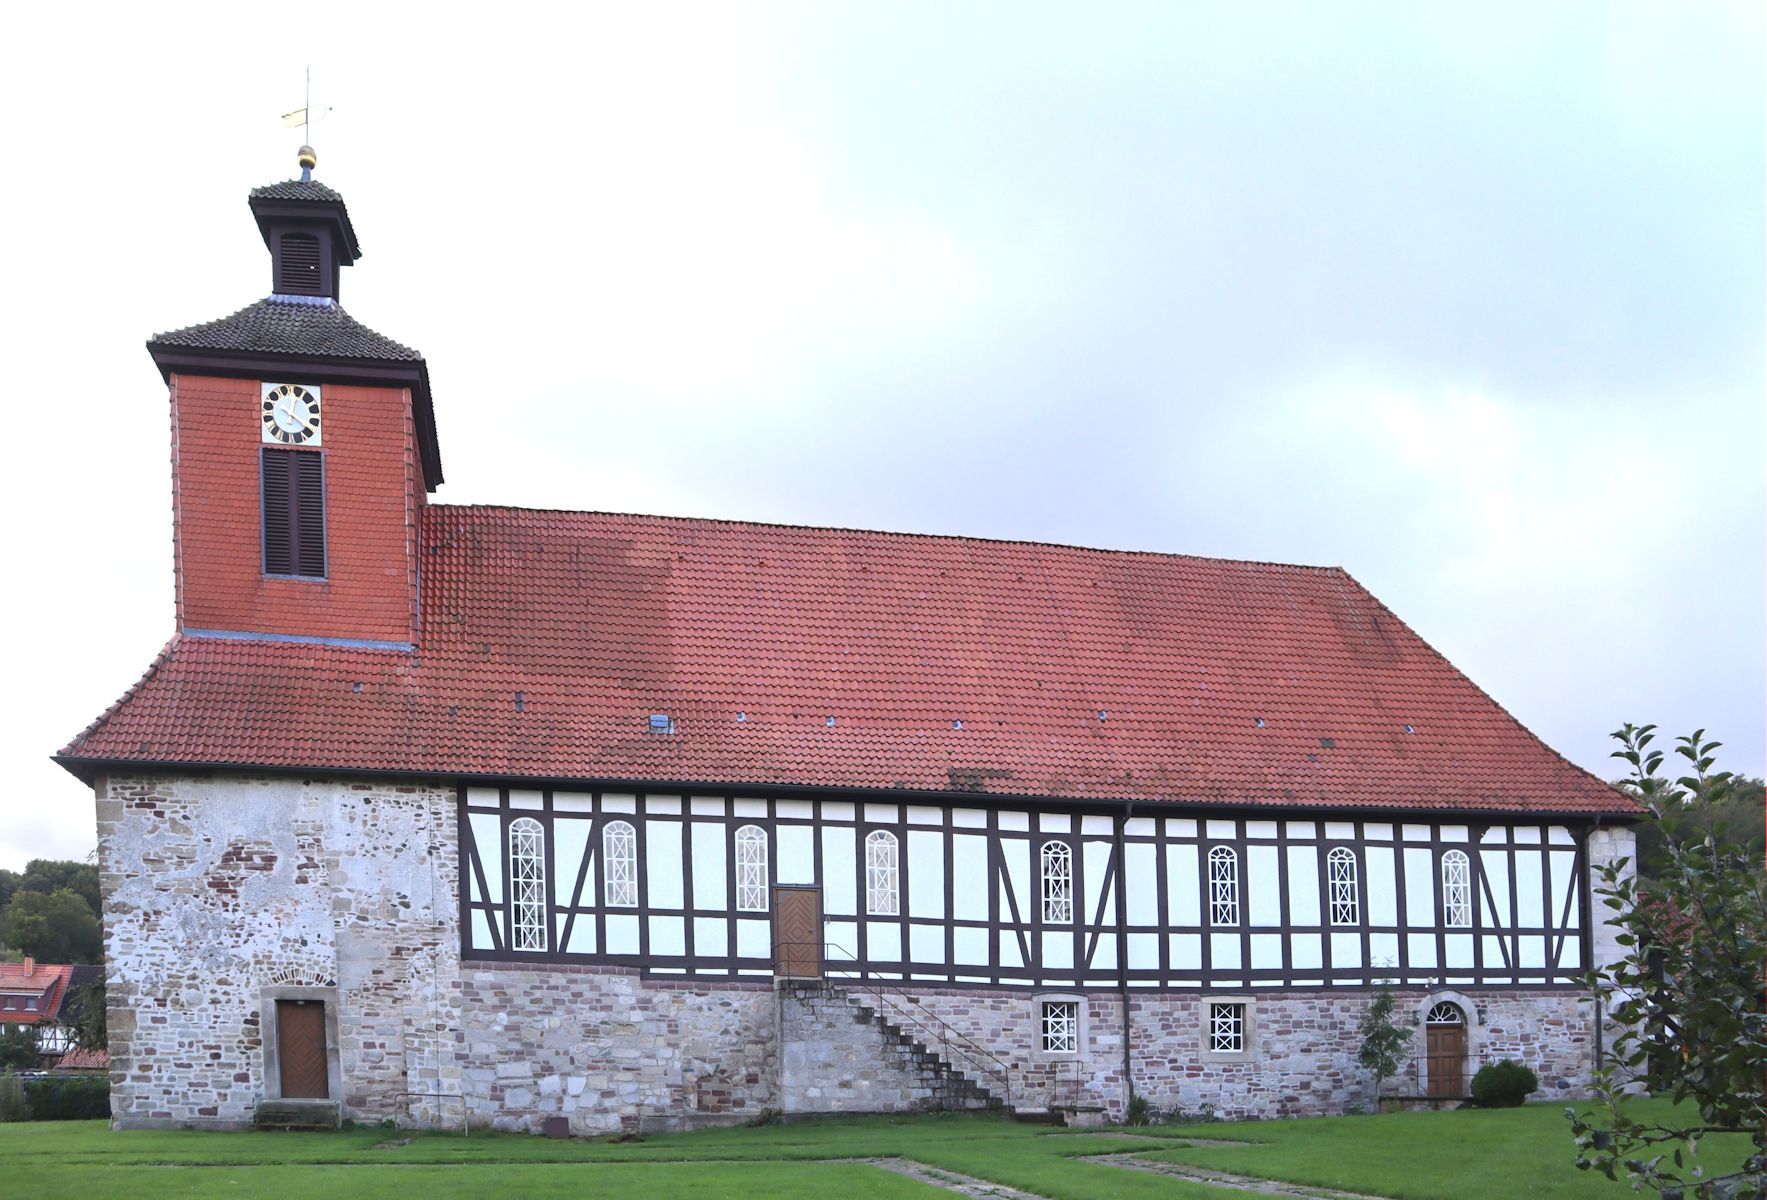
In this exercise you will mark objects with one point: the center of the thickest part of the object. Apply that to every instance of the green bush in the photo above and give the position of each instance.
(1503, 1084)
(68, 1097)
(13, 1106)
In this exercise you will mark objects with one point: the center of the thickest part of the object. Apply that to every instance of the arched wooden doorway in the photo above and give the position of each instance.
(1445, 1050)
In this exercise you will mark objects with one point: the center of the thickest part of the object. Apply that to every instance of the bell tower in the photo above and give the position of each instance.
(303, 449)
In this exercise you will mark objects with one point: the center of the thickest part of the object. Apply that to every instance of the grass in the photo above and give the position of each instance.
(1410, 1156)
(1466, 1155)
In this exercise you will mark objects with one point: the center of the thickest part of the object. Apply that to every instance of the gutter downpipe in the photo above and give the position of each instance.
(1123, 956)
(1587, 900)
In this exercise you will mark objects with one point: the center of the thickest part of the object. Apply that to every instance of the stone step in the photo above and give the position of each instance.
(296, 1114)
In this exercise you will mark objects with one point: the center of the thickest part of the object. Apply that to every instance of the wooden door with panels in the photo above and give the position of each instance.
(300, 1050)
(797, 932)
(1445, 1051)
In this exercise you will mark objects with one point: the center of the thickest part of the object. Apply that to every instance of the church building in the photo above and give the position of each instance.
(585, 821)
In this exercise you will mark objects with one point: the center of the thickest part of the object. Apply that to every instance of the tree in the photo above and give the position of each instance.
(86, 1017)
(1731, 814)
(1686, 997)
(18, 1048)
(50, 875)
(58, 927)
(1386, 1045)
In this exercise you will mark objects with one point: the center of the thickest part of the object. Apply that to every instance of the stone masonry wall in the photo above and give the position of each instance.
(217, 887)
(1303, 1056)
(839, 1053)
(611, 1052)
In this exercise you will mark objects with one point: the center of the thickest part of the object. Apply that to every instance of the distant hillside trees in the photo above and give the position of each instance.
(50, 912)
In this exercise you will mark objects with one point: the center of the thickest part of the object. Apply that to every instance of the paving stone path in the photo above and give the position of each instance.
(968, 1185)
(1215, 1178)
(951, 1181)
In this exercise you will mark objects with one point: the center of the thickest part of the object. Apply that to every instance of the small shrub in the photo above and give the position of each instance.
(13, 1105)
(1138, 1112)
(1503, 1084)
(68, 1097)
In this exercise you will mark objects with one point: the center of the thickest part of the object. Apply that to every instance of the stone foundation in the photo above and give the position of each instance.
(611, 1052)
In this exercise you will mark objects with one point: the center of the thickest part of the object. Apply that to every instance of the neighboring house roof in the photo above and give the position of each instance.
(46, 983)
(78, 1060)
(316, 328)
(830, 657)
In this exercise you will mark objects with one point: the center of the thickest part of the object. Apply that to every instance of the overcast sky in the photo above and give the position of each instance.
(1466, 299)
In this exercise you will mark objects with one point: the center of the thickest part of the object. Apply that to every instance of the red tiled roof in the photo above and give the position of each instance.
(78, 1059)
(46, 981)
(550, 638)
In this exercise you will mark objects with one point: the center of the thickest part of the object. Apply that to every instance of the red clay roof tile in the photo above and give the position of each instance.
(550, 638)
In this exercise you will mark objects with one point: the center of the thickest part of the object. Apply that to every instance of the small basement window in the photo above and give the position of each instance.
(1060, 1027)
(1227, 1028)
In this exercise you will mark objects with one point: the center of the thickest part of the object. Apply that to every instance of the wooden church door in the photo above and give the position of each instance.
(300, 1049)
(1445, 1051)
(797, 932)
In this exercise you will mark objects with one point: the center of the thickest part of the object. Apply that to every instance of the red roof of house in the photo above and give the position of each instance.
(830, 657)
(46, 982)
(78, 1059)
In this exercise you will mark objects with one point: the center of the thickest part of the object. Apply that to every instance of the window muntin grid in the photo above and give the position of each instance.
(1456, 890)
(619, 865)
(527, 884)
(1223, 886)
(1058, 883)
(751, 869)
(1226, 1028)
(1061, 1027)
(882, 876)
(1445, 1013)
(1345, 894)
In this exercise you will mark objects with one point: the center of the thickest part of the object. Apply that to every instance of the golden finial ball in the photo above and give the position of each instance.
(307, 158)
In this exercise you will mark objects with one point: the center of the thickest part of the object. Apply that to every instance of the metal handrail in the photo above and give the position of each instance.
(951, 1041)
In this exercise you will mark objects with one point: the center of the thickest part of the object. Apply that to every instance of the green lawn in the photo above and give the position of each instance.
(1413, 1156)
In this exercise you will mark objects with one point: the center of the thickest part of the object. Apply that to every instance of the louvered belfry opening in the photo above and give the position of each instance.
(294, 512)
(297, 265)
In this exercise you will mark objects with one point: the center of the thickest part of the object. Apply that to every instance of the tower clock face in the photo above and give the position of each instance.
(291, 414)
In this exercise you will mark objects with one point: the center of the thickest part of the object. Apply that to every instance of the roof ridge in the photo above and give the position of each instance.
(516, 509)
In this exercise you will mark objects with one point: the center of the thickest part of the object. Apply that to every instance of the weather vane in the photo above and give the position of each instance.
(303, 118)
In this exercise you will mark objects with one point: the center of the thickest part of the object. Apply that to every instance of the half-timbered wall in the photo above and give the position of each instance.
(1038, 898)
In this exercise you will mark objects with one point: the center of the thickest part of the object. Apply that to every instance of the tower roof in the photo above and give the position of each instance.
(288, 326)
(305, 200)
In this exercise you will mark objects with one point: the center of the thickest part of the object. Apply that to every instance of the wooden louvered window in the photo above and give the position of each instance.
(297, 265)
(294, 513)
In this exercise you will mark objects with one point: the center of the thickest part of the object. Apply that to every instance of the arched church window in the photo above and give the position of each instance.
(1456, 890)
(619, 865)
(1340, 877)
(527, 884)
(882, 876)
(1223, 886)
(1058, 883)
(751, 869)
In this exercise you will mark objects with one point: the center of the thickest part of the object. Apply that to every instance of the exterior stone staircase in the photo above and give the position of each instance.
(839, 1053)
